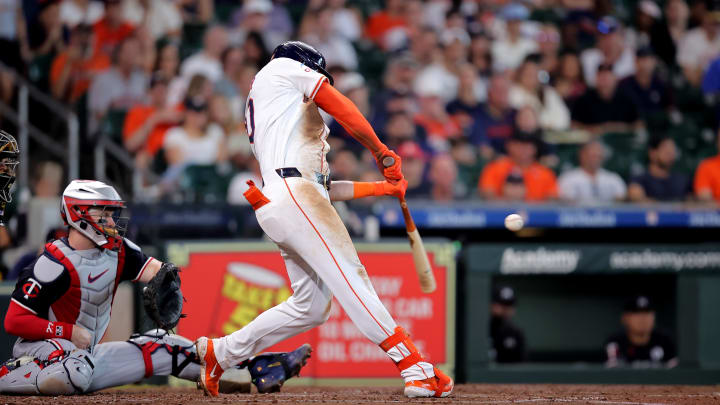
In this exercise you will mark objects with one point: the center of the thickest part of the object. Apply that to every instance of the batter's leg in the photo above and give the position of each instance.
(308, 307)
(327, 247)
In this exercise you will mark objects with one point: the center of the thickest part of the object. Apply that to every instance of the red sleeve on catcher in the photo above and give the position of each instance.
(22, 322)
(348, 115)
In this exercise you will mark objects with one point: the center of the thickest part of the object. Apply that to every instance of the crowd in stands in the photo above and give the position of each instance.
(581, 101)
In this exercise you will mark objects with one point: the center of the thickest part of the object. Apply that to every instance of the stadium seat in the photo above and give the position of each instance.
(205, 183)
(112, 124)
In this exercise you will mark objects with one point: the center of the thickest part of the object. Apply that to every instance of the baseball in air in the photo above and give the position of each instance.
(514, 222)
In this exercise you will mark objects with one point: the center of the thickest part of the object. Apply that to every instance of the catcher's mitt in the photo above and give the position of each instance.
(162, 297)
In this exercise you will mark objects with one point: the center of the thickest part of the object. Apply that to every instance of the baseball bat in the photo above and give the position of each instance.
(420, 257)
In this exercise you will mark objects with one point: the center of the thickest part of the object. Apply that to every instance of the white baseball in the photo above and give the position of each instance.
(514, 222)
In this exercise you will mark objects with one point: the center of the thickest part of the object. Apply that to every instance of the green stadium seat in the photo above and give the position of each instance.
(112, 125)
(192, 39)
(205, 184)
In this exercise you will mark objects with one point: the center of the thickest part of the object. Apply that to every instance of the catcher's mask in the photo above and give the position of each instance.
(9, 154)
(95, 210)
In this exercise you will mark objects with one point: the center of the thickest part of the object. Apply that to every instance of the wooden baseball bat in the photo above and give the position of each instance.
(420, 257)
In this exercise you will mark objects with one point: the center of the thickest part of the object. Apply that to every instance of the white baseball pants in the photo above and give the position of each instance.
(321, 261)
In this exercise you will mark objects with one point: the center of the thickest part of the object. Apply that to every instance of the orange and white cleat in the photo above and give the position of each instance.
(438, 386)
(210, 370)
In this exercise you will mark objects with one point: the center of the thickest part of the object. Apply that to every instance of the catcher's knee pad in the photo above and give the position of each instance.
(163, 351)
(71, 375)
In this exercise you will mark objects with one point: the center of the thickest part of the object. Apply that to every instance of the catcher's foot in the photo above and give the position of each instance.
(438, 386)
(269, 371)
(210, 370)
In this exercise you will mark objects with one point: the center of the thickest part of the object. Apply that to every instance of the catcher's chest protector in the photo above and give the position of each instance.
(96, 271)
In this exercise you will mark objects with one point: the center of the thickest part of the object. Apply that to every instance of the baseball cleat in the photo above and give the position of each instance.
(210, 370)
(269, 371)
(438, 386)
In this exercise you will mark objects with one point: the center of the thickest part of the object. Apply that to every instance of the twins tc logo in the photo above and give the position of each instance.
(31, 288)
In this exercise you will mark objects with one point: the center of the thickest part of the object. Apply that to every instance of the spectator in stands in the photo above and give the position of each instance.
(518, 177)
(232, 60)
(471, 91)
(270, 20)
(647, 19)
(707, 177)
(507, 340)
(610, 50)
(529, 90)
(120, 87)
(146, 124)
(160, 18)
(699, 46)
(640, 345)
(387, 27)
(207, 61)
(569, 82)
(45, 35)
(433, 117)
(414, 167)
(509, 52)
(443, 73)
(591, 183)
(346, 21)
(666, 40)
(73, 70)
(112, 29)
(196, 11)
(548, 40)
(196, 142)
(646, 89)
(256, 52)
(397, 83)
(604, 109)
(494, 119)
(81, 12)
(317, 30)
(443, 177)
(480, 55)
(14, 49)
(660, 182)
(344, 165)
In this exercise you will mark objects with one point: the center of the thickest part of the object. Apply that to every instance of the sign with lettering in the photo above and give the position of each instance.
(228, 285)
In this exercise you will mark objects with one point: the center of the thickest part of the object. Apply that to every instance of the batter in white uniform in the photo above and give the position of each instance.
(288, 138)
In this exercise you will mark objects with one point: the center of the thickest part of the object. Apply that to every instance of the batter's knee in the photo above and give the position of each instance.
(71, 375)
(320, 311)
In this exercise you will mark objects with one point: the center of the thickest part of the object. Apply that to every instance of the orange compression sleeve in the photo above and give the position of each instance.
(367, 189)
(348, 115)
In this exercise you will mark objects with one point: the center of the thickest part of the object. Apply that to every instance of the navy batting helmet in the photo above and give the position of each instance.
(305, 54)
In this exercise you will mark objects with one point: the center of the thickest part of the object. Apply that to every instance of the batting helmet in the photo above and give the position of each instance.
(305, 54)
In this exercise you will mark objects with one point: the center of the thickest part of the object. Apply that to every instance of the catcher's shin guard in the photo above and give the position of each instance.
(419, 382)
(61, 374)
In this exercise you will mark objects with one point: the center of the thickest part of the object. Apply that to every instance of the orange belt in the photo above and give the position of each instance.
(254, 196)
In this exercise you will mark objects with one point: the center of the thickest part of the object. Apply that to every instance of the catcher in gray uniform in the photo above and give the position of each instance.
(60, 310)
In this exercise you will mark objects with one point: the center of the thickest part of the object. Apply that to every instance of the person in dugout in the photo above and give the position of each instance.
(640, 344)
(507, 340)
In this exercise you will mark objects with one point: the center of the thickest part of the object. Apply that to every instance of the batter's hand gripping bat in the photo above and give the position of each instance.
(420, 258)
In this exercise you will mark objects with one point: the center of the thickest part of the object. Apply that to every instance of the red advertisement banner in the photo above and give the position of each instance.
(226, 290)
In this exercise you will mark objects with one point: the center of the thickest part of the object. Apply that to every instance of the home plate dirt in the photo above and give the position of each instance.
(464, 394)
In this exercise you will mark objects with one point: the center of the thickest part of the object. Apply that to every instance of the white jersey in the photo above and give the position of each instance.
(283, 122)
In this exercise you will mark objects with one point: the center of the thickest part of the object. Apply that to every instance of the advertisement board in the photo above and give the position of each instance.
(228, 284)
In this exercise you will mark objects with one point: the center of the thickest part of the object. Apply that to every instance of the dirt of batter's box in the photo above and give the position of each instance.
(464, 394)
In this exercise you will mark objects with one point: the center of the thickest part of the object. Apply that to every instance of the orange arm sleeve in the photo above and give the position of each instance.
(348, 115)
(367, 189)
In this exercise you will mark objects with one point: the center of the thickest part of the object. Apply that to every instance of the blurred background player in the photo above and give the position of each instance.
(508, 341)
(9, 155)
(60, 310)
(640, 344)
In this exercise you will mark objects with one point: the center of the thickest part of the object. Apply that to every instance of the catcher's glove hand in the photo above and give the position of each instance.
(162, 297)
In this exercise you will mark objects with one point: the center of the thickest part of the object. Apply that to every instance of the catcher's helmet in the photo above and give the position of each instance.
(82, 196)
(9, 154)
(305, 54)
